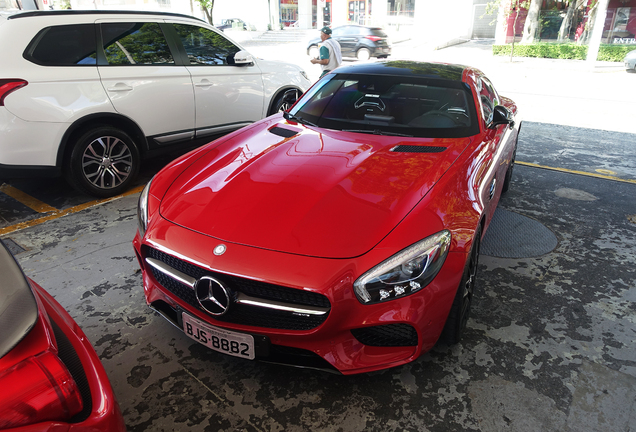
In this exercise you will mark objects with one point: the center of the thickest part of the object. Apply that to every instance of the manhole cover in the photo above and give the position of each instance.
(511, 235)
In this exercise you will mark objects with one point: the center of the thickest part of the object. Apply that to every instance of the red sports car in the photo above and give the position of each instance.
(343, 234)
(50, 376)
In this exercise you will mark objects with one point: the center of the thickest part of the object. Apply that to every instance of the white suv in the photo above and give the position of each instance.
(89, 94)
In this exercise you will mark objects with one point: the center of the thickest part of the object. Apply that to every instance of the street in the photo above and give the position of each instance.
(549, 344)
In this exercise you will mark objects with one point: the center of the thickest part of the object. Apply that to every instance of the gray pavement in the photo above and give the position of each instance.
(549, 346)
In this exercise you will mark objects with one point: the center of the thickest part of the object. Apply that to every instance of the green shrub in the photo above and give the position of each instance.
(607, 52)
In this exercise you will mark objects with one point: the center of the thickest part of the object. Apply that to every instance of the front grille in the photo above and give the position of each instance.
(239, 313)
(391, 335)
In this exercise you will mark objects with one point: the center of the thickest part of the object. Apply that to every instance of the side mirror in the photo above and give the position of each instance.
(242, 58)
(501, 115)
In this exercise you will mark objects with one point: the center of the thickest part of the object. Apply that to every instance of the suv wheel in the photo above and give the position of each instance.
(363, 54)
(284, 101)
(104, 162)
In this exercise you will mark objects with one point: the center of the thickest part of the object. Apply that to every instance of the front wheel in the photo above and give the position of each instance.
(285, 101)
(508, 178)
(104, 162)
(460, 310)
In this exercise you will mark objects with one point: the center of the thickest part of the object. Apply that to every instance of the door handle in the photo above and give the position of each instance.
(204, 83)
(120, 87)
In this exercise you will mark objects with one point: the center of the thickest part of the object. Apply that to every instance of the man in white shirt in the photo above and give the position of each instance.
(330, 55)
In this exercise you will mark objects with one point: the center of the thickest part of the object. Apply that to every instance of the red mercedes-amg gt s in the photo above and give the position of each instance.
(343, 234)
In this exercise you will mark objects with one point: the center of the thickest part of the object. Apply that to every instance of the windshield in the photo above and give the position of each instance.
(390, 105)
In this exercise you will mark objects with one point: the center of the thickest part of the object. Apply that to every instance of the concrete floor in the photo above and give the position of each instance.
(549, 346)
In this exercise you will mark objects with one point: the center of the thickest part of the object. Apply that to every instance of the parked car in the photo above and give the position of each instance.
(232, 23)
(89, 94)
(356, 41)
(630, 61)
(50, 375)
(341, 235)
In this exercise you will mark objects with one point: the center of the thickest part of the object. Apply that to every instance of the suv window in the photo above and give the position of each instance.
(64, 45)
(206, 47)
(135, 44)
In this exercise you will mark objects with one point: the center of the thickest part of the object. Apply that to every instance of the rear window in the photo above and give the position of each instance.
(378, 32)
(65, 45)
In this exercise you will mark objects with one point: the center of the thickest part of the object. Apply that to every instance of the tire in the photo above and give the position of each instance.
(313, 51)
(460, 310)
(104, 162)
(363, 54)
(285, 101)
(508, 178)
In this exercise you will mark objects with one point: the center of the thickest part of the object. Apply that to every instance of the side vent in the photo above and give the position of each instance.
(285, 133)
(417, 149)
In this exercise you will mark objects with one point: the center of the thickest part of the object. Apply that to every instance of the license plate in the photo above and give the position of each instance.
(221, 340)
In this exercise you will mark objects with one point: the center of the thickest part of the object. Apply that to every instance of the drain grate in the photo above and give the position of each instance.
(13, 247)
(511, 235)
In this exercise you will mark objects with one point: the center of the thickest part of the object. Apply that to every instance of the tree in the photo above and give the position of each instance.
(566, 24)
(531, 26)
(207, 6)
(512, 6)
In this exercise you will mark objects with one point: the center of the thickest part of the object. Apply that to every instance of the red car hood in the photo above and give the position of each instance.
(332, 195)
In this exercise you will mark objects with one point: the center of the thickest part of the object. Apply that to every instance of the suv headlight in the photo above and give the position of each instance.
(406, 272)
(142, 210)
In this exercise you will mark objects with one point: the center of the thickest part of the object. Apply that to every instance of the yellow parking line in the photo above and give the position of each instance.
(59, 213)
(589, 174)
(27, 200)
(54, 214)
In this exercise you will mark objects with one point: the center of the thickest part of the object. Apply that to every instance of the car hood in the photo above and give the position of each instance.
(321, 193)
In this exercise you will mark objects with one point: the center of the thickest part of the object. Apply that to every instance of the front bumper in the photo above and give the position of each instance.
(351, 338)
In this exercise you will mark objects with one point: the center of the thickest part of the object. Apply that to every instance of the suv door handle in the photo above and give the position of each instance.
(204, 83)
(120, 87)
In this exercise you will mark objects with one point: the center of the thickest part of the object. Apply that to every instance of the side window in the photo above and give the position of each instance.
(206, 47)
(135, 44)
(65, 45)
(338, 31)
(489, 99)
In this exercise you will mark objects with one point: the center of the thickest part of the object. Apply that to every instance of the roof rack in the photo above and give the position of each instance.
(98, 12)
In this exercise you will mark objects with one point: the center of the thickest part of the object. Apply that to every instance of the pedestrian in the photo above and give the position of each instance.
(330, 55)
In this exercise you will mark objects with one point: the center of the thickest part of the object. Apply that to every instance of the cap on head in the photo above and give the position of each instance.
(326, 30)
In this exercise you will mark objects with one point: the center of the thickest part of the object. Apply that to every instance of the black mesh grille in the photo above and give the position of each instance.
(285, 133)
(239, 313)
(391, 335)
(417, 149)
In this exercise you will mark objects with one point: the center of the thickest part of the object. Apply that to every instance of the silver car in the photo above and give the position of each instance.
(630, 61)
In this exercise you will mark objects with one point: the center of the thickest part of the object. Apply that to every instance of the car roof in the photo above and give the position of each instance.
(445, 71)
(67, 12)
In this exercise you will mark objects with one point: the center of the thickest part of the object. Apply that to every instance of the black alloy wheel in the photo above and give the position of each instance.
(460, 310)
(104, 162)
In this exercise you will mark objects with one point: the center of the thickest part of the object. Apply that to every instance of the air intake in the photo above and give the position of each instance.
(285, 133)
(417, 149)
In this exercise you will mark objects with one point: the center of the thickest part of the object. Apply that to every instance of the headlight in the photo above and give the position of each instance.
(142, 210)
(304, 74)
(405, 272)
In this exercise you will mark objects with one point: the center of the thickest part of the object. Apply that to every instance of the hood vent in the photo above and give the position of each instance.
(285, 133)
(417, 149)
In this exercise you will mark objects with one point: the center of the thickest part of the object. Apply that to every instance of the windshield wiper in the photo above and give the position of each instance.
(377, 132)
(289, 116)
